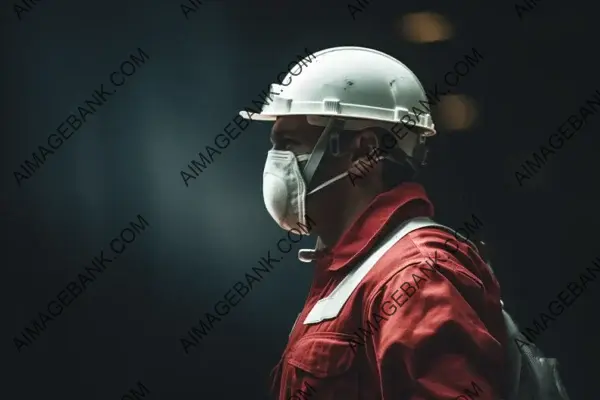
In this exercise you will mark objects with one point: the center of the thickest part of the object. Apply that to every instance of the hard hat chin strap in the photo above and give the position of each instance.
(334, 125)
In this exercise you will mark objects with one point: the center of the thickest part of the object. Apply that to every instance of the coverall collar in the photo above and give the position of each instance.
(388, 209)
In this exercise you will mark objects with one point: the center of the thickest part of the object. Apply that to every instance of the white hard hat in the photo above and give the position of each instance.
(367, 86)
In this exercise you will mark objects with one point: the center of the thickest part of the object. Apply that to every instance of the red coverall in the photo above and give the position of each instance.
(443, 331)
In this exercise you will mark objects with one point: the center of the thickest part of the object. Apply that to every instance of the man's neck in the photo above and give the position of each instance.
(333, 231)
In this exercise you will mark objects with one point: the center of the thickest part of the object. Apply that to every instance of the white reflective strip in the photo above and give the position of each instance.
(330, 306)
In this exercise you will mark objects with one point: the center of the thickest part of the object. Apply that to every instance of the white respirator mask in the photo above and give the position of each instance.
(285, 185)
(284, 188)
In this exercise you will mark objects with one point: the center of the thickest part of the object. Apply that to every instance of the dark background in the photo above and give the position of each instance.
(126, 160)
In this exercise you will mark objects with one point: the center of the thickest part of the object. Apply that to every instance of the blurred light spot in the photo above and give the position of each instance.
(457, 112)
(425, 27)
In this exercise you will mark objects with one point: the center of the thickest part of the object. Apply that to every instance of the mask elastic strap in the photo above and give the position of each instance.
(337, 178)
(322, 185)
(320, 148)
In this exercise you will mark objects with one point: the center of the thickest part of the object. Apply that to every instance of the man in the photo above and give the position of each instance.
(425, 322)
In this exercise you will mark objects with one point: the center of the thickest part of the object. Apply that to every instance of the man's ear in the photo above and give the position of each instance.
(364, 143)
(366, 165)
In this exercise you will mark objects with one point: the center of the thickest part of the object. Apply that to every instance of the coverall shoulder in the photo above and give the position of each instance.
(424, 323)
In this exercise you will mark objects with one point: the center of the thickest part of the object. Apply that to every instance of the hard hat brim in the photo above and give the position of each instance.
(257, 117)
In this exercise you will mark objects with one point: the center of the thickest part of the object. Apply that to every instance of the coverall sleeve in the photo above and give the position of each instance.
(432, 344)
